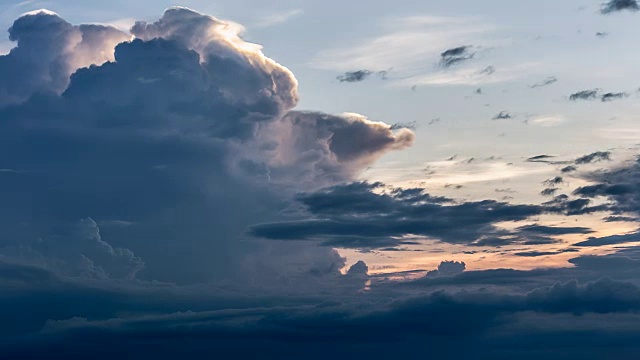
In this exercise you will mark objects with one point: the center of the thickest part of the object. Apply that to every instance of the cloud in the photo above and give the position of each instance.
(400, 43)
(619, 5)
(448, 268)
(356, 216)
(162, 131)
(558, 180)
(595, 94)
(619, 185)
(354, 76)
(540, 158)
(613, 96)
(79, 251)
(547, 121)
(610, 240)
(320, 147)
(584, 95)
(48, 51)
(279, 18)
(488, 70)
(548, 81)
(503, 115)
(455, 55)
(594, 157)
(568, 169)
(361, 75)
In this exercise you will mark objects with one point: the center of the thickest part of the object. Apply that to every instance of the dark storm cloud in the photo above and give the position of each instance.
(350, 215)
(488, 322)
(548, 81)
(619, 5)
(455, 56)
(185, 121)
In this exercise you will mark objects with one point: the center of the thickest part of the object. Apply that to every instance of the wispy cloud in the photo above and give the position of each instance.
(278, 18)
(547, 120)
(469, 76)
(406, 44)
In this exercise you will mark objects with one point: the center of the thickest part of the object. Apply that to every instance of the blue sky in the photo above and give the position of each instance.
(251, 170)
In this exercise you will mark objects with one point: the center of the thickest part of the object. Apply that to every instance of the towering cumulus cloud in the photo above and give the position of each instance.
(48, 50)
(174, 139)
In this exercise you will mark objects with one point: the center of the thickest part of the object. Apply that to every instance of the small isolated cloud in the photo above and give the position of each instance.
(554, 181)
(361, 75)
(503, 115)
(354, 76)
(455, 55)
(540, 158)
(594, 157)
(613, 96)
(594, 94)
(601, 34)
(619, 5)
(548, 81)
(584, 95)
(448, 268)
(487, 71)
(568, 169)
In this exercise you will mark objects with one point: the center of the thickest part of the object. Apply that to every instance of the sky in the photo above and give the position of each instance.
(303, 178)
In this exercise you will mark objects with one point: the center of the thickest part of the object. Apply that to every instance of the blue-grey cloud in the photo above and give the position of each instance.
(354, 215)
(455, 56)
(548, 81)
(48, 50)
(503, 115)
(200, 124)
(619, 5)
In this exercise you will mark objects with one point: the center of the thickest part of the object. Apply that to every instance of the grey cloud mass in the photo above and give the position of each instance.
(354, 215)
(619, 5)
(164, 196)
(200, 124)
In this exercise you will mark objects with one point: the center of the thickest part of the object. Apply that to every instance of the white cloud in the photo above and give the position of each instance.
(547, 120)
(468, 76)
(278, 18)
(406, 44)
